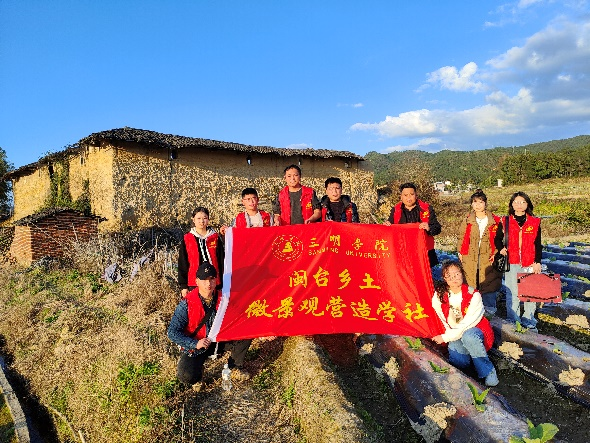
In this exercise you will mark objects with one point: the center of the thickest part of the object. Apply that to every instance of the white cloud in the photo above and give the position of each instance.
(526, 3)
(420, 144)
(560, 51)
(501, 115)
(541, 84)
(449, 77)
(299, 146)
(353, 105)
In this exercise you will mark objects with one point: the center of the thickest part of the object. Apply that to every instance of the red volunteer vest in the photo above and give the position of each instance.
(242, 222)
(484, 324)
(424, 217)
(196, 312)
(285, 203)
(526, 255)
(192, 249)
(467, 236)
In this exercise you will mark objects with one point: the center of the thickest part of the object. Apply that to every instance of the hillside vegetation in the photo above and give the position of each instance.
(522, 164)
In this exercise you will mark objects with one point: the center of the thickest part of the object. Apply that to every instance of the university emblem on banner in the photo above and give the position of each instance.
(287, 247)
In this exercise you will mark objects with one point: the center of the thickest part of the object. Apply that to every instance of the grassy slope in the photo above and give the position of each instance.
(97, 357)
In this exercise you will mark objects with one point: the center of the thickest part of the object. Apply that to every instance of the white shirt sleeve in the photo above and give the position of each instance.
(472, 317)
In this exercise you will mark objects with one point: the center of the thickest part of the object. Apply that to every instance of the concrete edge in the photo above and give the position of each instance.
(21, 428)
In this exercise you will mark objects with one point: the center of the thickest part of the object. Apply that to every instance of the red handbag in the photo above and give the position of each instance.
(539, 287)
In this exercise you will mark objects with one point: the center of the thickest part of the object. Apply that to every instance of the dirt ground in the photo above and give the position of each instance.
(372, 397)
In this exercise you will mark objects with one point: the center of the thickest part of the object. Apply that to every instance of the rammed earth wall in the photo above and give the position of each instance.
(153, 190)
(94, 165)
(30, 192)
(136, 186)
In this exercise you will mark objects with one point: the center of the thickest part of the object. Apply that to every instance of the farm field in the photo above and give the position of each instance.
(564, 205)
(94, 358)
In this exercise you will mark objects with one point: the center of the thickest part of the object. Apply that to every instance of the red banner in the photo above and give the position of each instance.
(326, 278)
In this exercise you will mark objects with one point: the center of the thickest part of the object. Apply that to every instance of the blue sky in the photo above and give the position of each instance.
(349, 75)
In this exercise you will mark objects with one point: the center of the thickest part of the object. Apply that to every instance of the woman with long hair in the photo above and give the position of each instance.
(467, 332)
(476, 250)
(524, 254)
(200, 244)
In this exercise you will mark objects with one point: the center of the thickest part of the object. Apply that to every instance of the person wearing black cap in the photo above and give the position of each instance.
(190, 325)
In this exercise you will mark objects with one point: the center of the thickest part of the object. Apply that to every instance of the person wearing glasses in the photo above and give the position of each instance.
(524, 254)
(468, 333)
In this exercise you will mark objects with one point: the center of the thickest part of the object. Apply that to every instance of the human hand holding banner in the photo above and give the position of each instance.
(326, 278)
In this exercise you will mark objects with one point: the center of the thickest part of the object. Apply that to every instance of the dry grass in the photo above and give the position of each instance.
(96, 356)
(85, 347)
(7, 434)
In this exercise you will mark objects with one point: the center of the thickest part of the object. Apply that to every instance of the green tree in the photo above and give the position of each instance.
(5, 186)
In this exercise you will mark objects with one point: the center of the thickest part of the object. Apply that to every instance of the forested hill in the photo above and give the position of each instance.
(482, 167)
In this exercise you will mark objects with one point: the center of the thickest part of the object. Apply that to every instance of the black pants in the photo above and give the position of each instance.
(190, 368)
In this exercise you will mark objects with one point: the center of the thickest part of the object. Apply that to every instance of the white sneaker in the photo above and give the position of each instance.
(492, 378)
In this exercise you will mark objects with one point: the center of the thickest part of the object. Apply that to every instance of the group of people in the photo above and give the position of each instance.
(469, 286)
(200, 267)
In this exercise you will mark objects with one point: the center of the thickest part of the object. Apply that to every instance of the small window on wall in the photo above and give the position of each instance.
(173, 154)
(50, 170)
(82, 160)
(249, 160)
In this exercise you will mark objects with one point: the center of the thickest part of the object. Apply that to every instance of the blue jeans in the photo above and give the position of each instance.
(489, 301)
(470, 348)
(528, 319)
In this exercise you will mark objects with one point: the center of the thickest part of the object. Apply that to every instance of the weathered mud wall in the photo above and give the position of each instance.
(31, 192)
(91, 172)
(155, 190)
(134, 186)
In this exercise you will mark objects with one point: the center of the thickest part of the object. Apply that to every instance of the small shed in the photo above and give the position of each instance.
(50, 232)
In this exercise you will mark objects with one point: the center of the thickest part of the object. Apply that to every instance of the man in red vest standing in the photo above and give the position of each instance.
(251, 216)
(296, 204)
(412, 210)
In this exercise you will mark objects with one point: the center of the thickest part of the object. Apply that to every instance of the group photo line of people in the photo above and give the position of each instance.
(468, 289)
